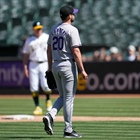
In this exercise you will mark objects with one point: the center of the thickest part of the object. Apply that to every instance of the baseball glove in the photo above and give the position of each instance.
(50, 80)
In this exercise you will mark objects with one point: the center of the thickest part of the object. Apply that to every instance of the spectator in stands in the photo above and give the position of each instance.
(84, 58)
(131, 56)
(96, 56)
(108, 57)
(114, 53)
(138, 53)
(120, 56)
(102, 54)
(138, 57)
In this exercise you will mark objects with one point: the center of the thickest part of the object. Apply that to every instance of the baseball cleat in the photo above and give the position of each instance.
(48, 124)
(38, 111)
(73, 134)
(48, 105)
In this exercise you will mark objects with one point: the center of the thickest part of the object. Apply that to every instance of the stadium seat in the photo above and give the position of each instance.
(15, 37)
(43, 12)
(15, 32)
(30, 6)
(4, 10)
(43, 4)
(3, 32)
(16, 8)
(27, 25)
(55, 6)
(77, 4)
(46, 23)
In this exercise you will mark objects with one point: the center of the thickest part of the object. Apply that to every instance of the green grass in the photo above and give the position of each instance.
(89, 130)
(100, 130)
(129, 107)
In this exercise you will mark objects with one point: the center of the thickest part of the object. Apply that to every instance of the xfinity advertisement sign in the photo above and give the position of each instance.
(12, 74)
(104, 77)
(120, 81)
(111, 77)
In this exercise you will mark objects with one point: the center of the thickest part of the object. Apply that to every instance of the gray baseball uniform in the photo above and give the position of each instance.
(62, 38)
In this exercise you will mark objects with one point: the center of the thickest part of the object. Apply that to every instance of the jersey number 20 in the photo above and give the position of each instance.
(58, 43)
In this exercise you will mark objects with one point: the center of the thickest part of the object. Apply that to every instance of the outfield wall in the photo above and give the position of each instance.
(104, 77)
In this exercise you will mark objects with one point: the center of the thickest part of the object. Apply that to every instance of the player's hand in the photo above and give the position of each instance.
(84, 74)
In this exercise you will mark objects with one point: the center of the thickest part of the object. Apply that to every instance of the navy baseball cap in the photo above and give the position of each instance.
(67, 10)
(37, 25)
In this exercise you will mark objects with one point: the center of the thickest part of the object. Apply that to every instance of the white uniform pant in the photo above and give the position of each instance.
(37, 76)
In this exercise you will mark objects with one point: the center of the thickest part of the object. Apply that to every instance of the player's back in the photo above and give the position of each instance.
(60, 41)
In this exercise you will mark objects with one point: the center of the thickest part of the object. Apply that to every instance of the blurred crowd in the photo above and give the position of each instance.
(113, 54)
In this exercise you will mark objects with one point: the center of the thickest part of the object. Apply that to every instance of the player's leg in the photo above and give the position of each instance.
(69, 79)
(58, 104)
(44, 85)
(34, 87)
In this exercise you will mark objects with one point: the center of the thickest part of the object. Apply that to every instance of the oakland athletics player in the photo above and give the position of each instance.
(34, 52)
(63, 49)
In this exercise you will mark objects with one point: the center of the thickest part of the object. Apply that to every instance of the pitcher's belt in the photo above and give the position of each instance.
(65, 60)
(38, 61)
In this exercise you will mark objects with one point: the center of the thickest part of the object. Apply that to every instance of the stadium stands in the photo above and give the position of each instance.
(109, 22)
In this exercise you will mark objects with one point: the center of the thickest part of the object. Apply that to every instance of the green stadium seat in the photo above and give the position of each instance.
(109, 38)
(55, 6)
(3, 32)
(57, 3)
(77, 3)
(30, 6)
(27, 23)
(16, 8)
(46, 23)
(43, 12)
(16, 21)
(83, 40)
(4, 10)
(15, 32)
(43, 4)
(15, 37)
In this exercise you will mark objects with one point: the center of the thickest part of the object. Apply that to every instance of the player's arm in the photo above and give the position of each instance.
(78, 59)
(25, 64)
(49, 55)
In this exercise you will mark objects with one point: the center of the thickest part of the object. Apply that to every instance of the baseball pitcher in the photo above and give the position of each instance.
(63, 48)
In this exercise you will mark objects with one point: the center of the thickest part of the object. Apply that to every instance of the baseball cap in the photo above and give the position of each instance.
(37, 25)
(114, 50)
(131, 48)
(67, 10)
